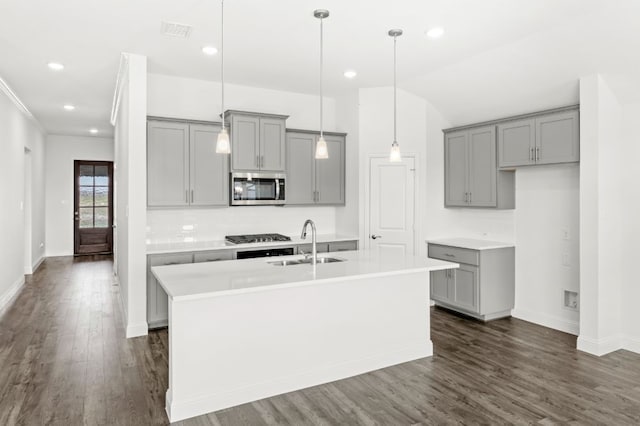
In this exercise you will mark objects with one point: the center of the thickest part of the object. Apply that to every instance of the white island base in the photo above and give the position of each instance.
(250, 337)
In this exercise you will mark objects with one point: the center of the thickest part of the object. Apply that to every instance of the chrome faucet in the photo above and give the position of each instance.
(303, 235)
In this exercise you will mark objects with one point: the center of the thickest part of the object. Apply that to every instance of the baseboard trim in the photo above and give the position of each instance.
(600, 347)
(137, 329)
(631, 344)
(198, 405)
(550, 321)
(37, 264)
(11, 292)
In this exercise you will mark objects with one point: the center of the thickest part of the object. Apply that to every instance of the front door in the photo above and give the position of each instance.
(93, 212)
(392, 205)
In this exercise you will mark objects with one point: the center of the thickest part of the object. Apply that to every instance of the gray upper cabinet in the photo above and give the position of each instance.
(311, 181)
(301, 176)
(183, 168)
(330, 172)
(515, 142)
(558, 138)
(208, 170)
(471, 175)
(550, 138)
(167, 164)
(257, 141)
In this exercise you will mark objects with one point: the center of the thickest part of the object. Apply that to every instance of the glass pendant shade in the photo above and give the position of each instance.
(394, 155)
(322, 153)
(222, 145)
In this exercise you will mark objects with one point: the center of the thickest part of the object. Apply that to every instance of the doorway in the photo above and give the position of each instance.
(93, 207)
(390, 220)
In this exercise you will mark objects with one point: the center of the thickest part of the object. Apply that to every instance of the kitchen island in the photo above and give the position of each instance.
(248, 329)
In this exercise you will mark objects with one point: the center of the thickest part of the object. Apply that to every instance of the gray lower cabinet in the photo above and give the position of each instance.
(482, 287)
(471, 175)
(212, 256)
(307, 248)
(547, 139)
(311, 181)
(183, 168)
(157, 299)
(343, 246)
(257, 141)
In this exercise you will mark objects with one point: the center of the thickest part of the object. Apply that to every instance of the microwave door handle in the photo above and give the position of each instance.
(277, 189)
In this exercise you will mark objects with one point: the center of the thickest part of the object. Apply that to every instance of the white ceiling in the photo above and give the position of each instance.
(497, 57)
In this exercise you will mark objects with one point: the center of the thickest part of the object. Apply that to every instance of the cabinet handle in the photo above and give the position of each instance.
(192, 195)
(261, 161)
(470, 197)
(530, 154)
(449, 255)
(537, 153)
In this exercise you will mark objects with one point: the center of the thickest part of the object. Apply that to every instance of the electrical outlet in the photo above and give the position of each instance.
(565, 234)
(571, 300)
(565, 259)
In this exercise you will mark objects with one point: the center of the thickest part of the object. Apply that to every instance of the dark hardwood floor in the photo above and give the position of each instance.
(64, 360)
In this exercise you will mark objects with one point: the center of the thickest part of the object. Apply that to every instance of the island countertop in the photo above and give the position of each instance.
(222, 278)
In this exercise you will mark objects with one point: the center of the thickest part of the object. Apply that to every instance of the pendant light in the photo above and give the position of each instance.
(222, 145)
(321, 146)
(394, 155)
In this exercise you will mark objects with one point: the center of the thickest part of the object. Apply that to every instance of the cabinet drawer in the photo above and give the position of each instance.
(170, 259)
(343, 246)
(212, 256)
(307, 248)
(454, 254)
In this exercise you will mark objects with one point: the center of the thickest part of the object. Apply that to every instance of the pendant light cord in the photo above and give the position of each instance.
(395, 97)
(321, 69)
(222, 58)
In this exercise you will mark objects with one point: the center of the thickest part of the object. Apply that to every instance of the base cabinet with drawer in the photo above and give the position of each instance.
(482, 287)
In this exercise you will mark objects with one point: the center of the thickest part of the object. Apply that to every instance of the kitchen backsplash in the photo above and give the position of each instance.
(213, 224)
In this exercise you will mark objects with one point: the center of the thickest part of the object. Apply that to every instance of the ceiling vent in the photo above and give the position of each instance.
(173, 29)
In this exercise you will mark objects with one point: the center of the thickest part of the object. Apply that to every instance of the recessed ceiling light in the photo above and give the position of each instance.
(93, 131)
(209, 50)
(435, 32)
(350, 73)
(69, 107)
(56, 66)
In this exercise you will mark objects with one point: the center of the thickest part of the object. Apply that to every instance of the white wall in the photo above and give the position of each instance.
(630, 222)
(609, 214)
(61, 152)
(131, 191)
(17, 132)
(186, 98)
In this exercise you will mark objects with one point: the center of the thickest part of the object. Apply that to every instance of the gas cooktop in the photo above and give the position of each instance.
(257, 238)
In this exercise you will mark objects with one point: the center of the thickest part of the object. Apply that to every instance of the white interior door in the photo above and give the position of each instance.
(392, 206)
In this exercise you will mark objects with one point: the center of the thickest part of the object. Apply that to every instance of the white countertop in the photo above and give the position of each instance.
(470, 243)
(214, 279)
(187, 244)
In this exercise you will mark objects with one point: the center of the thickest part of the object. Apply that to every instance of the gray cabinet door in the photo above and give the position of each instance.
(466, 287)
(440, 285)
(272, 144)
(157, 299)
(209, 172)
(308, 248)
(245, 142)
(482, 167)
(330, 173)
(557, 138)
(455, 169)
(516, 140)
(212, 256)
(343, 246)
(167, 164)
(301, 180)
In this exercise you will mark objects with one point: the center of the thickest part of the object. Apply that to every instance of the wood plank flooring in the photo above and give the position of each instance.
(64, 360)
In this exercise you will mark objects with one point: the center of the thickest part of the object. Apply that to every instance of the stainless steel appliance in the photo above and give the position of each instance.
(256, 238)
(256, 189)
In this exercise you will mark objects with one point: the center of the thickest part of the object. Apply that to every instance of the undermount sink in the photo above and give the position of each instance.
(306, 261)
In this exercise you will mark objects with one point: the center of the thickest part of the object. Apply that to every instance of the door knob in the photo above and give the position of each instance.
(375, 237)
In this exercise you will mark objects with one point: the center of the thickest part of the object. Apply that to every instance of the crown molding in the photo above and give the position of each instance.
(6, 89)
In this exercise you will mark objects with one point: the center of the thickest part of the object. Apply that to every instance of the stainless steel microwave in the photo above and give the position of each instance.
(257, 189)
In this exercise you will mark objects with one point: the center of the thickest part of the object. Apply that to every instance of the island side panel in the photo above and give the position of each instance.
(226, 351)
